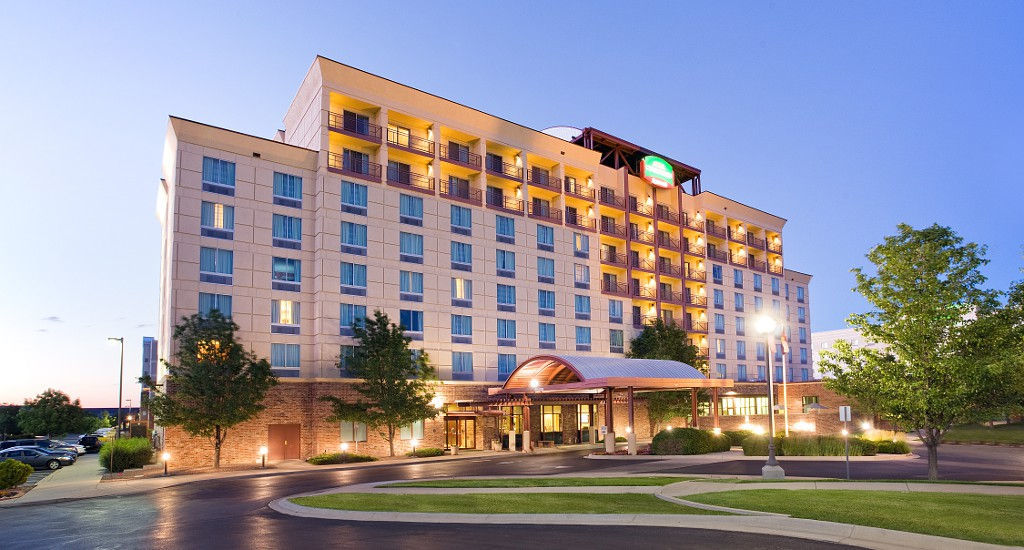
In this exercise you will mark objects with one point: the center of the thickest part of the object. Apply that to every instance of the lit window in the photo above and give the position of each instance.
(284, 312)
(581, 245)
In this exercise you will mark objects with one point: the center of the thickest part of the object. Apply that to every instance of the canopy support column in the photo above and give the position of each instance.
(714, 406)
(631, 428)
(693, 407)
(527, 443)
(609, 422)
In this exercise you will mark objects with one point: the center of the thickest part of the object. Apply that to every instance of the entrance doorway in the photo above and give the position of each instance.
(584, 420)
(283, 441)
(460, 433)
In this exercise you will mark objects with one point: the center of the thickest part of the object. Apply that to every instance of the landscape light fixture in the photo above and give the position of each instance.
(343, 447)
(166, 456)
(263, 456)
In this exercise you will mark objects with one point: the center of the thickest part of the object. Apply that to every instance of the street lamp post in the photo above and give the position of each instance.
(765, 326)
(120, 388)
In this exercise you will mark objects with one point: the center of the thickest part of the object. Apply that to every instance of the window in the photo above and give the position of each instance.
(462, 220)
(800, 294)
(546, 335)
(506, 364)
(803, 335)
(744, 406)
(757, 282)
(719, 323)
(411, 431)
(741, 326)
(581, 275)
(351, 315)
(353, 238)
(778, 374)
(506, 298)
(801, 315)
(615, 340)
(581, 245)
(760, 373)
(462, 365)
(215, 265)
(217, 220)
(741, 373)
(458, 152)
(737, 301)
(410, 286)
(505, 229)
(719, 348)
(210, 302)
(354, 161)
(546, 270)
(284, 316)
(462, 329)
(462, 292)
(551, 419)
(775, 286)
(737, 278)
(778, 352)
(614, 311)
(286, 274)
(546, 302)
(776, 308)
(803, 356)
(545, 238)
(741, 349)
(462, 256)
(720, 370)
(410, 210)
(808, 400)
(758, 304)
(719, 299)
(582, 304)
(411, 320)
(353, 198)
(410, 247)
(506, 332)
(760, 350)
(287, 232)
(716, 274)
(805, 375)
(506, 263)
(218, 176)
(352, 432)
(284, 358)
(353, 278)
(787, 291)
(287, 190)
(582, 338)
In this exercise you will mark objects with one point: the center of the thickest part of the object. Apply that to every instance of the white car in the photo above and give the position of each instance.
(104, 431)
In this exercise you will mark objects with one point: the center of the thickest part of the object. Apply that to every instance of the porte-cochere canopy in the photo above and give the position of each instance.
(581, 373)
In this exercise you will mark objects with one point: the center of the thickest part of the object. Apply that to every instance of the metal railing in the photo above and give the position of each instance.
(460, 157)
(410, 179)
(349, 124)
(410, 142)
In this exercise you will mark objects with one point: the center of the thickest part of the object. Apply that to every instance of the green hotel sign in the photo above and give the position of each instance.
(657, 171)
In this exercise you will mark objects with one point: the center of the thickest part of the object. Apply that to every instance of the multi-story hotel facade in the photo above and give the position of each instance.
(489, 241)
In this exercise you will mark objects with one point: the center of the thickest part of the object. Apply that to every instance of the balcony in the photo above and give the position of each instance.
(669, 295)
(691, 223)
(667, 268)
(666, 214)
(737, 236)
(642, 264)
(505, 204)
(504, 169)
(461, 193)
(644, 320)
(350, 125)
(613, 229)
(693, 249)
(736, 259)
(696, 300)
(580, 222)
(697, 326)
(410, 180)
(614, 287)
(411, 143)
(776, 269)
(460, 157)
(716, 231)
(641, 208)
(613, 258)
(541, 179)
(574, 189)
(544, 213)
(699, 276)
(369, 171)
(607, 197)
(716, 254)
(753, 241)
(702, 351)
(667, 241)
(645, 237)
(775, 247)
(756, 265)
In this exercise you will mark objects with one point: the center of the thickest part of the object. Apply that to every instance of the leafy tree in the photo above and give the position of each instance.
(214, 383)
(395, 381)
(9, 420)
(930, 313)
(666, 341)
(52, 413)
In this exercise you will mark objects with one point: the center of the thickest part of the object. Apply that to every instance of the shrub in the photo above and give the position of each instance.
(338, 458)
(422, 452)
(131, 452)
(620, 439)
(688, 441)
(736, 437)
(13, 473)
(893, 447)
(808, 445)
(863, 447)
(757, 445)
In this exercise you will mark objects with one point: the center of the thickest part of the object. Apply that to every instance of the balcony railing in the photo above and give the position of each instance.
(666, 241)
(776, 269)
(412, 180)
(665, 213)
(669, 295)
(641, 208)
(504, 169)
(737, 236)
(581, 222)
(609, 227)
(369, 171)
(717, 231)
(539, 178)
(545, 213)
(613, 258)
(500, 202)
(697, 326)
(461, 193)
(641, 320)
(410, 142)
(575, 189)
(614, 287)
(736, 259)
(755, 264)
(694, 275)
(645, 237)
(702, 351)
(643, 292)
(693, 249)
(607, 197)
(755, 242)
(775, 247)
(692, 223)
(353, 126)
(697, 300)
(716, 254)
(666, 268)
(460, 157)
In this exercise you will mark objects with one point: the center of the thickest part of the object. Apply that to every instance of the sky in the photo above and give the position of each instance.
(845, 118)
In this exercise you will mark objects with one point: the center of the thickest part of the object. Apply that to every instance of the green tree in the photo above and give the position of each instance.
(395, 387)
(52, 413)
(927, 308)
(213, 384)
(666, 341)
(8, 420)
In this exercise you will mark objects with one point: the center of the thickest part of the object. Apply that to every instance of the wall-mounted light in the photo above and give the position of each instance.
(650, 227)
(698, 216)
(519, 192)
(650, 200)
(430, 134)
(700, 241)
(590, 211)
(590, 182)
(430, 170)
(650, 254)
(743, 252)
(519, 161)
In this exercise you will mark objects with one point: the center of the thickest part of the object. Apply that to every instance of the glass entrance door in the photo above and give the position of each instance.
(460, 433)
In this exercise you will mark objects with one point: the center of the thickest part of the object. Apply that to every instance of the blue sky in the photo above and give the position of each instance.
(844, 118)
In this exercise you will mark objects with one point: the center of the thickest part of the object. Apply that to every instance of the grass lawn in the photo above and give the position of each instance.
(969, 433)
(985, 518)
(501, 503)
(543, 482)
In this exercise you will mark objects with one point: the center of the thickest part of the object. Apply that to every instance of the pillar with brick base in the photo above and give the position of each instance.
(609, 436)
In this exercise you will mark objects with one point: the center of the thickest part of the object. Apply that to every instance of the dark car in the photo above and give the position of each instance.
(91, 443)
(45, 444)
(37, 458)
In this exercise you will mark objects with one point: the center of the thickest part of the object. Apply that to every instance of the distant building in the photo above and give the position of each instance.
(149, 368)
(826, 340)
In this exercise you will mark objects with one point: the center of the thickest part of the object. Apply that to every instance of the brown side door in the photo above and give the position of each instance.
(283, 441)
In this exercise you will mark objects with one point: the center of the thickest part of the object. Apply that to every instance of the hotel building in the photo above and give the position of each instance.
(489, 241)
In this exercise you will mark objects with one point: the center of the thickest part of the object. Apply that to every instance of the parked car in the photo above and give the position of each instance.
(104, 432)
(37, 458)
(46, 444)
(91, 443)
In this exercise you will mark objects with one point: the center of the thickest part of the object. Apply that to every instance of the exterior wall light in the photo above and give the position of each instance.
(165, 456)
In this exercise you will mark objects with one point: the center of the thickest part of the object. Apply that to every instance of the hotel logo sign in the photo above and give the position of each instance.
(657, 172)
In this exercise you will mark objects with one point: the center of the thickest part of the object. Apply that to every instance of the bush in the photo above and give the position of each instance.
(13, 473)
(736, 437)
(338, 458)
(688, 441)
(131, 452)
(757, 445)
(808, 445)
(620, 439)
(893, 447)
(422, 452)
